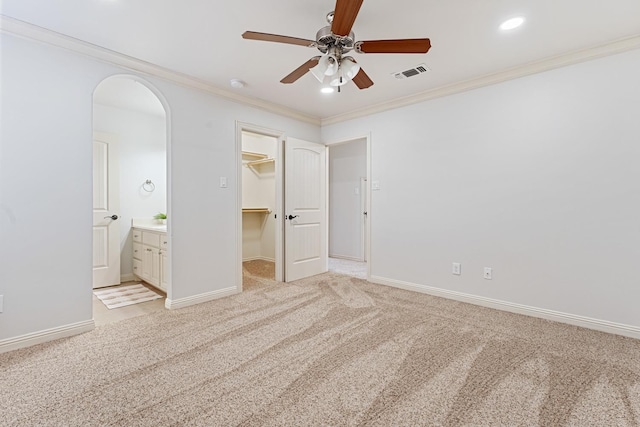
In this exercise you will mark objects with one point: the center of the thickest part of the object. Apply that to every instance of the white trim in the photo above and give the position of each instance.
(557, 316)
(262, 258)
(535, 67)
(34, 32)
(46, 335)
(174, 304)
(348, 258)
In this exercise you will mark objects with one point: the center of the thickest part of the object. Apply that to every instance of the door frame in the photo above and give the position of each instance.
(279, 176)
(367, 225)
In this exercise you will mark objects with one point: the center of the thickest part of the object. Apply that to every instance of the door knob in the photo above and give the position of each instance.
(113, 217)
(292, 217)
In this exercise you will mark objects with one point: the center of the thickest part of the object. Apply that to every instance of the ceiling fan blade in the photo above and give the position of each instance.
(344, 16)
(394, 46)
(252, 35)
(362, 80)
(300, 71)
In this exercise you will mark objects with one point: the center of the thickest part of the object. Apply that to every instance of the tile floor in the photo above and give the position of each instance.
(102, 315)
(348, 267)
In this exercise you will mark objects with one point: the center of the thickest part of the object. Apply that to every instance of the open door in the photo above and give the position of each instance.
(106, 206)
(305, 209)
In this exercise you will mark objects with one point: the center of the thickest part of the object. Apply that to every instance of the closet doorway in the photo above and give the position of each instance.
(348, 208)
(259, 181)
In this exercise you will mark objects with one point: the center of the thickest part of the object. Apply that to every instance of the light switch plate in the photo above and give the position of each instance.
(456, 268)
(488, 273)
(223, 182)
(375, 185)
(1, 303)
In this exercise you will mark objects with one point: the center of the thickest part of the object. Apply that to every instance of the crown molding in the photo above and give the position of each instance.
(546, 64)
(33, 32)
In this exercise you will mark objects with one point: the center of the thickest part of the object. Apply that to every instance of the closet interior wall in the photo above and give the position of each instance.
(258, 197)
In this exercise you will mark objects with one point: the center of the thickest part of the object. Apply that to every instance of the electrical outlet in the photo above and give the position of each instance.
(1, 303)
(456, 268)
(488, 273)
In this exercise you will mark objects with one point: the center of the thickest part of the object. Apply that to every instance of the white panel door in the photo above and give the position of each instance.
(106, 207)
(305, 209)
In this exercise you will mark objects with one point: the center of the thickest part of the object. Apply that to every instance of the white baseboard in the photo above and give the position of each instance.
(571, 319)
(350, 258)
(173, 304)
(263, 258)
(40, 337)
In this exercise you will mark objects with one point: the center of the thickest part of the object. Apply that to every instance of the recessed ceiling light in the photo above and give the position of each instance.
(512, 23)
(327, 89)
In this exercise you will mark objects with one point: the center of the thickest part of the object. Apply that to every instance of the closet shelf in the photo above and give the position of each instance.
(260, 162)
(256, 210)
(257, 156)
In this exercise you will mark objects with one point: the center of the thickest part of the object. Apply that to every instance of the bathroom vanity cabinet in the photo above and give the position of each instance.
(150, 256)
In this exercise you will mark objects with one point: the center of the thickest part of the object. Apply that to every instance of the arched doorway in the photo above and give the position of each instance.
(131, 248)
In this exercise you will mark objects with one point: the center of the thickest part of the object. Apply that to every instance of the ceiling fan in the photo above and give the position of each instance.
(333, 67)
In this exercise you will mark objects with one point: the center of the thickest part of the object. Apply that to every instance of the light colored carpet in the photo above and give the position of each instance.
(258, 274)
(329, 350)
(121, 296)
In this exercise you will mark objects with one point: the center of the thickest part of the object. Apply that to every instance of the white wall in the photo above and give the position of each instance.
(537, 178)
(347, 164)
(45, 185)
(259, 191)
(142, 152)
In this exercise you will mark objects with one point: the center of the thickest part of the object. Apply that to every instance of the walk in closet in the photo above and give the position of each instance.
(258, 197)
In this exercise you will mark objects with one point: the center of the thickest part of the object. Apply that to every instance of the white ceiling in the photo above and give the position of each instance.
(202, 38)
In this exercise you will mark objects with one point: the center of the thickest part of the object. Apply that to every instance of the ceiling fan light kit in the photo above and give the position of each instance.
(336, 39)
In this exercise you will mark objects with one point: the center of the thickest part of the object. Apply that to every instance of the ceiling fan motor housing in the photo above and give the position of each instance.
(325, 39)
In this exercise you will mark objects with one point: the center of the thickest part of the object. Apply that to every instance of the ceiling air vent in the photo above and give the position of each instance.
(420, 69)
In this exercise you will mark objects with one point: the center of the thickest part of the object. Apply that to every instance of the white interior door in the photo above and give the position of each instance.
(106, 207)
(305, 209)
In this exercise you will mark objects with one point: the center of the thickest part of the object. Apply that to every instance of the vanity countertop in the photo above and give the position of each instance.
(151, 227)
(148, 224)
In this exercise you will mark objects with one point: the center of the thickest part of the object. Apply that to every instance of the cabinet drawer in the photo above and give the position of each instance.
(137, 235)
(137, 250)
(137, 267)
(151, 238)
